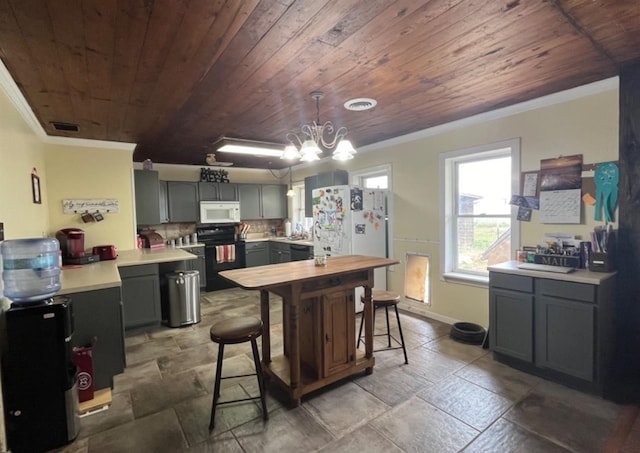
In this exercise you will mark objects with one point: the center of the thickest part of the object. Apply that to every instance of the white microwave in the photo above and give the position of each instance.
(219, 212)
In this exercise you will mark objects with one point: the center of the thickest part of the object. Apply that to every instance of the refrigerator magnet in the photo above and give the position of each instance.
(360, 228)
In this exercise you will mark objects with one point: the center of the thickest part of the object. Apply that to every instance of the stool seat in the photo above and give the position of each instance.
(385, 299)
(233, 331)
(236, 330)
(382, 298)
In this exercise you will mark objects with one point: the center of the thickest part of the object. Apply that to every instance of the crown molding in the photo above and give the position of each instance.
(601, 86)
(18, 100)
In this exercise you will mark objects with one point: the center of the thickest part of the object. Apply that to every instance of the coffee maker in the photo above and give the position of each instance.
(71, 242)
(72, 247)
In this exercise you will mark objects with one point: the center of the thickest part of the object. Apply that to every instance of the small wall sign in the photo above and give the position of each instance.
(209, 175)
(96, 206)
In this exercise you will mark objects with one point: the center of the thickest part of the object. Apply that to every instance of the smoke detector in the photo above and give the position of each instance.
(360, 104)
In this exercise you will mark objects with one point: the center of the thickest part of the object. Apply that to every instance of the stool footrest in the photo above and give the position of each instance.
(385, 335)
(238, 376)
(253, 398)
(387, 349)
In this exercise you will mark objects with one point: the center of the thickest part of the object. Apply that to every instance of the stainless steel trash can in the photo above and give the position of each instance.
(184, 298)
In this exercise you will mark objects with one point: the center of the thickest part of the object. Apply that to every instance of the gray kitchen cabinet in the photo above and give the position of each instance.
(262, 201)
(250, 202)
(257, 253)
(140, 295)
(199, 264)
(561, 330)
(147, 196)
(565, 317)
(217, 191)
(98, 314)
(274, 201)
(183, 201)
(511, 315)
(329, 178)
(164, 202)
(279, 253)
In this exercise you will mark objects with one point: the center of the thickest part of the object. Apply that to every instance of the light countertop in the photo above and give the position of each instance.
(308, 243)
(188, 246)
(578, 276)
(104, 274)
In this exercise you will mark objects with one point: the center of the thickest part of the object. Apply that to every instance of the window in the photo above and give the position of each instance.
(297, 213)
(478, 221)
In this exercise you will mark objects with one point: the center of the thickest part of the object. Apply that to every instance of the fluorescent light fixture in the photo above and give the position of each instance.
(251, 147)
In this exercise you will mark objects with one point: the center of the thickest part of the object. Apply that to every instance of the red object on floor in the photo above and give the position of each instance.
(83, 359)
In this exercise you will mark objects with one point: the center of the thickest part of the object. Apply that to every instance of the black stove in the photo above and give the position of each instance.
(222, 252)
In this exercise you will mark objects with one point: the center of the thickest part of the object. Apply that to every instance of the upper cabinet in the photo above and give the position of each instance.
(183, 201)
(147, 195)
(330, 178)
(274, 201)
(262, 201)
(217, 191)
(164, 202)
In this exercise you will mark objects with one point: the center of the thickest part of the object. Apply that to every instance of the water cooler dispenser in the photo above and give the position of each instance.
(38, 374)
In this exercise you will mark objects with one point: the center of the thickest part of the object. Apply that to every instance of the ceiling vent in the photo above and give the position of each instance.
(360, 104)
(66, 127)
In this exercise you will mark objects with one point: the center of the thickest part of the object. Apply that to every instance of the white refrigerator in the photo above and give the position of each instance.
(349, 220)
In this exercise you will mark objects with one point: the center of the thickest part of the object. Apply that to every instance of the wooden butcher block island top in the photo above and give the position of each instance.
(318, 319)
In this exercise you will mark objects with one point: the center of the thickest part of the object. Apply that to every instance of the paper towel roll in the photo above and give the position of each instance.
(287, 229)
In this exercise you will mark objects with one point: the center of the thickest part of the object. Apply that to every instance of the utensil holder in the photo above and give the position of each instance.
(600, 262)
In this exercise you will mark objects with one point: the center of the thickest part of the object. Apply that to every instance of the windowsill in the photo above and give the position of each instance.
(480, 281)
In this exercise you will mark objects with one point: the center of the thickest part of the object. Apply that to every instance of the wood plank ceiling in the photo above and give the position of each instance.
(174, 76)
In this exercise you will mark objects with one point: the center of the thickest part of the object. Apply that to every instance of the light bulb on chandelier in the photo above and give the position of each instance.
(316, 136)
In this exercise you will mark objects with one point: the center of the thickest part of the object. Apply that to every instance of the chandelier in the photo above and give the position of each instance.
(316, 136)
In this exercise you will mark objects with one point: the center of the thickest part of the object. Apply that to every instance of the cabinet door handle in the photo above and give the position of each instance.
(326, 337)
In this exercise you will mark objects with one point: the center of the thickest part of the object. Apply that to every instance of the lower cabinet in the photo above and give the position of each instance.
(565, 330)
(140, 295)
(338, 323)
(511, 315)
(199, 264)
(257, 253)
(561, 330)
(98, 315)
(329, 345)
(279, 253)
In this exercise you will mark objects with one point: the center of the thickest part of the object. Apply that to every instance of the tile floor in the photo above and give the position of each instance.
(451, 397)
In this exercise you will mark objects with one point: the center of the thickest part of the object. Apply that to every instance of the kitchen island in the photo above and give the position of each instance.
(318, 319)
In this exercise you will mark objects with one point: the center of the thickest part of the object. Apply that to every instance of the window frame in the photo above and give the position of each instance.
(449, 202)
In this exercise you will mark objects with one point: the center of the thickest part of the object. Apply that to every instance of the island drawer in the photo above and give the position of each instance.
(338, 281)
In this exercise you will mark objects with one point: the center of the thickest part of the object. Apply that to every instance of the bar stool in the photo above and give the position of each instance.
(234, 331)
(385, 299)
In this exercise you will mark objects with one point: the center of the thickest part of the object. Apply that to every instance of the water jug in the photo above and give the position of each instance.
(31, 269)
